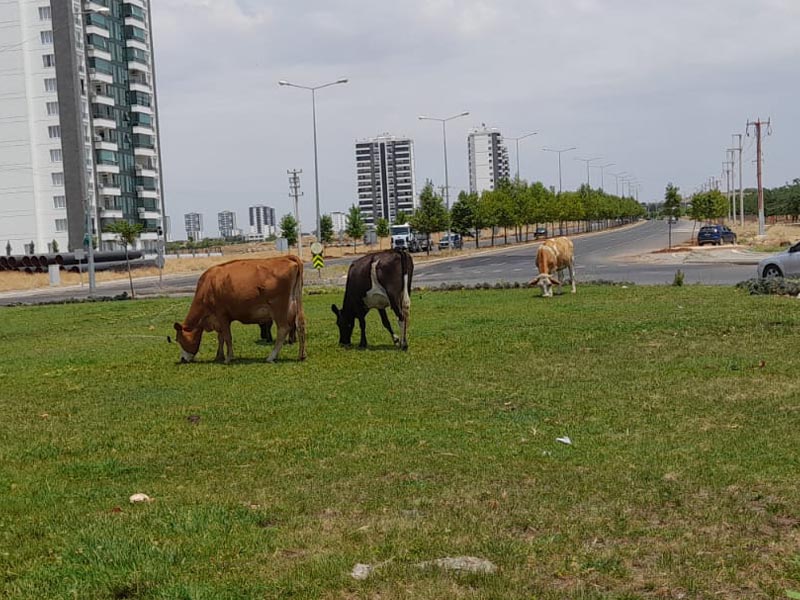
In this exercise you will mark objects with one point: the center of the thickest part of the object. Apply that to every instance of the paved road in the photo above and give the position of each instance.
(618, 255)
(612, 256)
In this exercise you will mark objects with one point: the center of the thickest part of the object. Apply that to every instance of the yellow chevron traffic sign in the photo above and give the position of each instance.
(317, 261)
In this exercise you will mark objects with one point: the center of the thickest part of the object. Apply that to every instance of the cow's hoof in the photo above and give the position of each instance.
(302, 358)
(404, 347)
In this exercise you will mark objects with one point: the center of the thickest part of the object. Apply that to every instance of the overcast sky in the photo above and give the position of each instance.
(656, 87)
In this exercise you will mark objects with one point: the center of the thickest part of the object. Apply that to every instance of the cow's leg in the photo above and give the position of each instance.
(225, 333)
(572, 274)
(362, 321)
(299, 329)
(388, 326)
(403, 312)
(282, 330)
(220, 341)
(266, 331)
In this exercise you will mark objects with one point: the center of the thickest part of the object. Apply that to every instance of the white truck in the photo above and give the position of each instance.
(405, 237)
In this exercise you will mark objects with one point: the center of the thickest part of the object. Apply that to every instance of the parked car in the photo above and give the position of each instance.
(715, 234)
(783, 264)
(454, 241)
(541, 232)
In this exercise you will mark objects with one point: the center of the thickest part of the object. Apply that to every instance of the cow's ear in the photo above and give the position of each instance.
(554, 281)
(178, 327)
(335, 310)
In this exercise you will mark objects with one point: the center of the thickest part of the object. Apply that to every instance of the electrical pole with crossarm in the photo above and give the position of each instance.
(758, 124)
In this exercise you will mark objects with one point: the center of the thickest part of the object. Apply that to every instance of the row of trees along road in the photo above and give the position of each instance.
(515, 205)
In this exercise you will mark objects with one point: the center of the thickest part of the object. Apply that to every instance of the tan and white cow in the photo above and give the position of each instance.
(554, 255)
(248, 291)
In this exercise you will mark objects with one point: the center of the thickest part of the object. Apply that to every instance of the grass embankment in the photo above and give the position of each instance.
(683, 405)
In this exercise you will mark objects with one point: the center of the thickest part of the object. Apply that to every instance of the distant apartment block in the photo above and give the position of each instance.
(262, 221)
(339, 222)
(488, 159)
(194, 226)
(385, 172)
(226, 220)
(79, 139)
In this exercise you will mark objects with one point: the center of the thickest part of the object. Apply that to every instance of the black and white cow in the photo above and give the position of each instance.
(379, 280)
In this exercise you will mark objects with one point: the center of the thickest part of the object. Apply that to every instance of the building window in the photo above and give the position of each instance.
(50, 84)
(55, 155)
(61, 225)
(58, 178)
(59, 202)
(47, 37)
(49, 60)
(54, 131)
(44, 13)
(52, 108)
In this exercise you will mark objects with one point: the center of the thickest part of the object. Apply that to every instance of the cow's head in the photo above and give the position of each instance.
(546, 282)
(189, 341)
(344, 324)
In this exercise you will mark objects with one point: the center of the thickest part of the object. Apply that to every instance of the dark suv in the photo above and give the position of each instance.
(541, 232)
(715, 234)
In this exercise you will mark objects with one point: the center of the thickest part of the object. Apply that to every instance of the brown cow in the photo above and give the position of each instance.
(378, 280)
(248, 291)
(553, 257)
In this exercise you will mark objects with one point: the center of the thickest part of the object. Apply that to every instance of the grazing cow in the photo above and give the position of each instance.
(378, 280)
(554, 255)
(249, 291)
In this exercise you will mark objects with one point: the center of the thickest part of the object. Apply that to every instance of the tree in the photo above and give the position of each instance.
(486, 214)
(382, 229)
(289, 229)
(8, 248)
(672, 201)
(431, 216)
(355, 227)
(127, 234)
(54, 246)
(462, 213)
(326, 229)
(401, 218)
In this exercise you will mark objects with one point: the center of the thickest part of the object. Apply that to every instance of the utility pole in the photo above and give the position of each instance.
(559, 152)
(726, 170)
(759, 159)
(738, 148)
(294, 192)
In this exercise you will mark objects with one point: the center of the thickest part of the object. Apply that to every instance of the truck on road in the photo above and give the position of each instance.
(403, 237)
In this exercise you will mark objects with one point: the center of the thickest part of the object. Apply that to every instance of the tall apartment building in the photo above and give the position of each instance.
(193, 223)
(385, 171)
(78, 128)
(226, 220)
(262, 221)
(488, 159)
(339, 220)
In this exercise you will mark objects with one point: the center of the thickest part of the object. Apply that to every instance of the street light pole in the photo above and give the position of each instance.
(559, 162)
(313, 90)
(517, 139)
(446, 178)
(602, 174)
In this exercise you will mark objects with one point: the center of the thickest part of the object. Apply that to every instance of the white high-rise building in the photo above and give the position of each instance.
(488, 159)
(79, 143)
(262, 221)
(194, 226)
(385, 171)
(339, 220)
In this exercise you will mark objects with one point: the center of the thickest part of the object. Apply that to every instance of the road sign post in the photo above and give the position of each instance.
(317, 260)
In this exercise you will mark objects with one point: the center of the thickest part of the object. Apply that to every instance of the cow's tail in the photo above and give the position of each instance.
(407, 271)
(296, 309)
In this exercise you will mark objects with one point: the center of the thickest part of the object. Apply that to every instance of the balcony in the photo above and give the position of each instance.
(144, 171)
(104, 168)
(131, 43)
(140, 86)
(95, 52)
(110, 213)
(95, 76)
(100, 98)
(144, 130)
(138, 3)
(103, 123)
(146, 194)
(109, 189)
(101, 144)
(148, 152)
(145, 214)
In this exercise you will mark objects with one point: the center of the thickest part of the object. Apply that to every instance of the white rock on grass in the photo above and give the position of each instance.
(468, 564)
(361, 571)
(140, 498)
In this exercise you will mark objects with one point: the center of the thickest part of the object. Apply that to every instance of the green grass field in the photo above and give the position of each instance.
(683, 406)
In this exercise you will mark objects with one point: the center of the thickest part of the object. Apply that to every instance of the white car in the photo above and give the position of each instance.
(783, 264)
